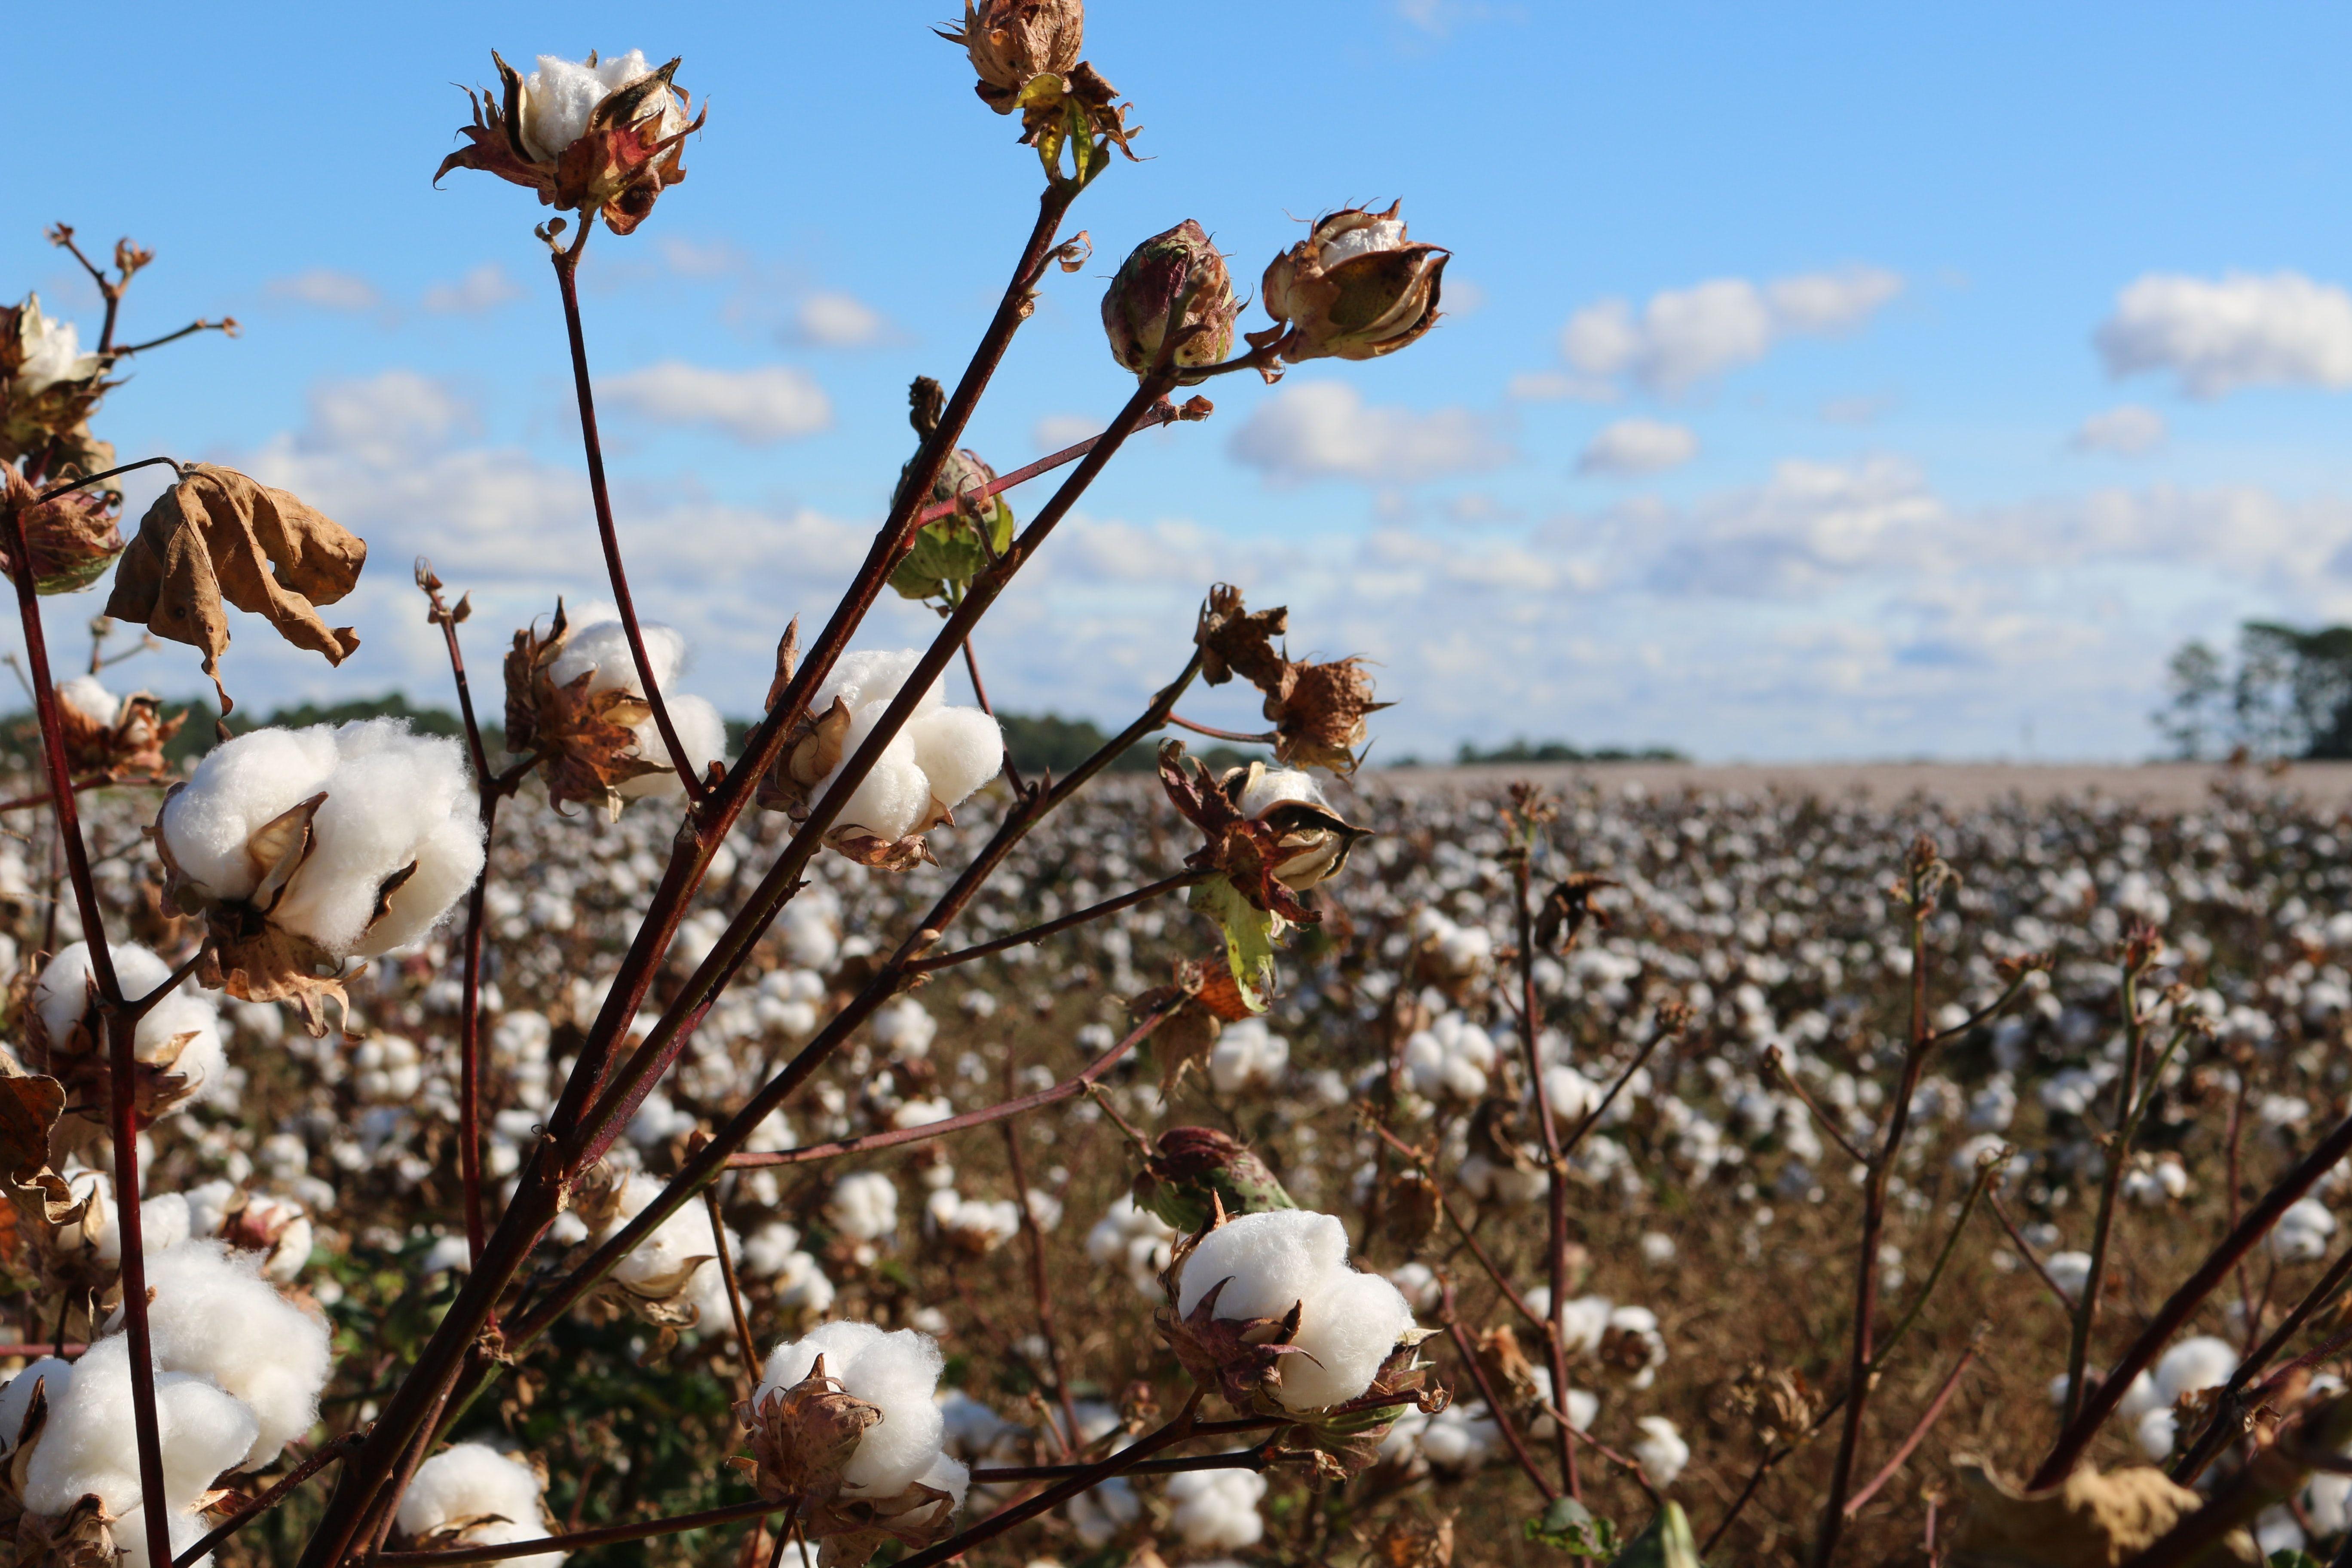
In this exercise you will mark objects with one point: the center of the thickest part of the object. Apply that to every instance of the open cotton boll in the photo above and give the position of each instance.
(87, 695)
(893, 796)
(1349, 1323)
(162, 1220)
(236, 788)
(1247, 1055)
(470, 1481)
(213, 1315)
(959, 749)
(898, 1373)
(394, 798)
(700, 730)
(903, 1026)
(1217, 1508)
(1661, 1451)
(870, 676)
(1280, 786)
(2194, 1365)
(88, 1445)
(2070, 1271)
(2155, 1432)
(600, 650)
(2301, 1232)
(61, 997)
(561, 95)
(51, 1374)
(866, 1205)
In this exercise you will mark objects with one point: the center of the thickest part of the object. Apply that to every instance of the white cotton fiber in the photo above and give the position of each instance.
(63, 993)
(958, 749)
(88, 1445)
(893, 796)
(50, 1374)
(951, 1475)
(2193, 1364)
(866, 1205)
(1217, 1508)
(868, 676)
(213, 1315)
(903, 1026)
(393, 798)
(600, 651)
(163, 1222)
(655, 1262)
(1349, 1321)
(898, 1373)
(700, 731)
(560, 95)
(470, 1481)
(1661, 1452)
(87, 695)
(1278, 786)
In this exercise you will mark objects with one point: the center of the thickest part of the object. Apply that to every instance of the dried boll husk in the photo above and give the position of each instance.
(115, 736)
(1174, 289)
(575, 706)
(614, 161)
(1319, 710)
(48, 386)
(1011, 42)
(1355, 287)
(72, 537)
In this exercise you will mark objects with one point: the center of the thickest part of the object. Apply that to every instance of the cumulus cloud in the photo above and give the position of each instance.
(1682, 337)
(1634, 447)
(1056, 431)
(836, 321)
(485, 288)
(1325, 430)
(2128, 431)
(2218, 335)
(759, 406)
(325, 289)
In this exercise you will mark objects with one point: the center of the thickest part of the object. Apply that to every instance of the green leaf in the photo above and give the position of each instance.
(2293, 1559)
(1664, 1542)
(1249, 938)
(1569, 1526)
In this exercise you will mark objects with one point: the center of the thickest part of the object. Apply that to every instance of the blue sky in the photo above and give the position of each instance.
(1820, 382)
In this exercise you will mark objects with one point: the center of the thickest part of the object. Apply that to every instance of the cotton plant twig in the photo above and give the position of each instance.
(324, 1455)
(1495, 1405)
(1776, 1066)
(1469, 1236)
(1234, 1459)
(1240, 737)
(1033, 1241)
(2229, 1404)
(1040, 933)
(580, 1541)
(120, 1027)
(2139, 951)
(1910, 1445)
(2025, 1250)
(743, 1340)
(69, 486)
(1923, 879)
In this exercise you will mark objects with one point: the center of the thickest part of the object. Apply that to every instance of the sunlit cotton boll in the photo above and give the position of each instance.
(1248, 1056)
(899, 1375)
(865, 1206)
(1217, 1508)
(62, 995)
(560, 96)
(657, 1264)
(600, 650)
(472, 1481)
(904, 1028)
(2301, 1232)
(1452, 1056)
(1349, 1321)
(2193, 1366)
(394, 799)
(1135, 1240)
(90, 1446)
(929, 767)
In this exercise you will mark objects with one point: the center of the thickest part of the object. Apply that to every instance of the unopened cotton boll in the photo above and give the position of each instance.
(394, 799)
(1217, 1508)
(473, 1482)
(1659, 1451)
(1267, 1262)
(898, 1373)
(213, 1316)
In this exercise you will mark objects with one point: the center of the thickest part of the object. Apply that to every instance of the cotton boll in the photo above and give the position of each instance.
(2155, 1431)
(2140, 1397)
(868, 677)
(469, 1480)
(866, 1205)
(951, 1475)
(1268, 1262)
(1277, 786)
(1419, 1284)
(701, 734)
(2070, 1271)
(88, 1445)
(2194, 1365)
(87, 695)
(61, 998)
(1217, 1508)
(903, 1026)
(1134, 1239)
(959, 749)
(898, 1373)
(1248, 1056)
(599, 649)
(1098, 1515)
(237, 787)
(394, 799)
(1661, 1451)
(2301, 1232)
(213, 1315)
(48, 1374)
(892, 797)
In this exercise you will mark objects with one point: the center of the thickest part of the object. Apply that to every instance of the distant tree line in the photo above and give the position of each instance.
(2284, 694)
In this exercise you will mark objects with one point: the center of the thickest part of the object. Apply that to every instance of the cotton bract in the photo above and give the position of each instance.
(600, 650)
(180, 1037)
(496, 1498)
(899, 1375)
(396, 840)
(1349, 1321)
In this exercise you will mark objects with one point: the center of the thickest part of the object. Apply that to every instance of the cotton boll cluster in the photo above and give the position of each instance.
(1623, 1337)
(973, 1225)
(1134, 1241)
(1453, 957)
(469, 1494)
(935, 762)
(2152, 1184)
(1457, 1440)
(865, 1206)
(773, 1254)
(178, 1041)
(1451, 1059)
(1247, 1056)
(213, 1315)
(1217, 1508)
(399, 831)
(2301, 1232)
(598, 648)
(899, 1375)
(1261, 1265)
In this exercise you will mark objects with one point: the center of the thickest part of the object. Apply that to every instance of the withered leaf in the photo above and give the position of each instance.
(219, 535)
(29, 1107)
(2087, 1521)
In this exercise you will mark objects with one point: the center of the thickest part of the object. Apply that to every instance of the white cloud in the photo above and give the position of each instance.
(485, 288)
(1684, 336)
(324, 288)
(698, 258)
(1632, 447)
(758, 407)
(1556, 387)
(2241, 331)
(1325, 430)
(385, 418)
(1056, 431)
(2128, 431)
(836, 321)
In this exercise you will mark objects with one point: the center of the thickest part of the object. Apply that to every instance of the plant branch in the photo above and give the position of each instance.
(1776, 1067)
(580, 1541)
(2128, 1105)
(1040, 933)
(326, 1454)
(1935, 1411)
(1495, 1406)
(71, 485)
(1239, 736)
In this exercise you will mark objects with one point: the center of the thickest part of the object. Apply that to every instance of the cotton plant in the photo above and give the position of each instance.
(930, 765)
(1135, 1241)
(306, 848)
(672, 1277)
(176, 1046)
(470, 1494)
(845, 1426)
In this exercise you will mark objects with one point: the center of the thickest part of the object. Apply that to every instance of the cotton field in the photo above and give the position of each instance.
(1724, 1032)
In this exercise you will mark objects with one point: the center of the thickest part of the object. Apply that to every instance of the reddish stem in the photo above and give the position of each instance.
(1935, 1411)
(1238, 736)
(1522, 872)
(470, 1011)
